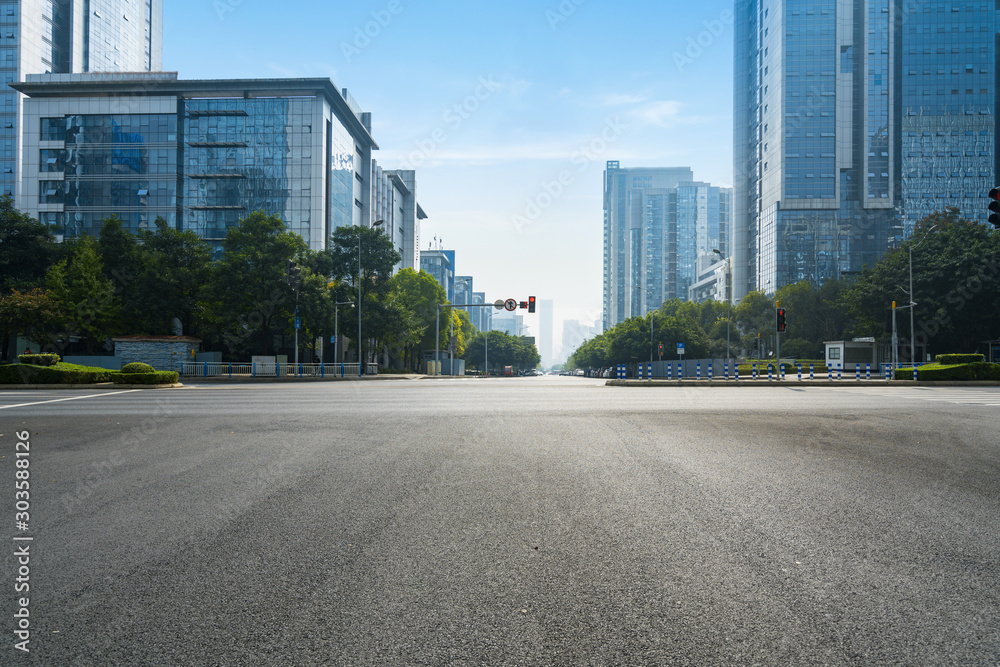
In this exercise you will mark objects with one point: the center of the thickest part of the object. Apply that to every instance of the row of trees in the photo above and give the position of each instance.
(76, 295)
(956, 264)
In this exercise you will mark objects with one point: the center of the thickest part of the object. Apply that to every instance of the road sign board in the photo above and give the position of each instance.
(298, 322)
(680, 348)
(510, 304)
(498, 304)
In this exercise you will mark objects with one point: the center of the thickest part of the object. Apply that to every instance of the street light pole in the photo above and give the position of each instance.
(361, 367)
(913, 305)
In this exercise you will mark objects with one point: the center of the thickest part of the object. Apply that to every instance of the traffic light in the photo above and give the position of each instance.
(524, 304)
(995, 207)
(661, 349)
(531, 304)
(293, 273)
(780, 319)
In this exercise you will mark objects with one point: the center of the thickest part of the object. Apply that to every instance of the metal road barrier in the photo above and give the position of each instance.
(208, 369)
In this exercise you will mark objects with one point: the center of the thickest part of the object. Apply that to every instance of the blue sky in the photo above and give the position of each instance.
(508, 111)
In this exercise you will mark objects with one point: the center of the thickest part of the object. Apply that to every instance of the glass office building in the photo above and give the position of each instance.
(852, 122)
(200, 154)
(657, 223)
(64, 36)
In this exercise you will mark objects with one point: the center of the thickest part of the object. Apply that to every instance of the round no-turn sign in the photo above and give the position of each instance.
(510, 304)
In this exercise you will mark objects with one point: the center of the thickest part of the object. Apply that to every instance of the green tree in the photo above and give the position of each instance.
(371, 251)
(172, 270)
(504, 350)
(85, 295)
(34, 314)
(248, 299)
(754, 315)
(419, 293)
(955, 279)
(27, 249)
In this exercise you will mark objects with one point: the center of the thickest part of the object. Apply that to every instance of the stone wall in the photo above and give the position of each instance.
(166, 353)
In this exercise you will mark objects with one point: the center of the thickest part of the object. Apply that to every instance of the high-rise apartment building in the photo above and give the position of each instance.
(66, 36)
(657, 223)
(853, 120)
(202, 154)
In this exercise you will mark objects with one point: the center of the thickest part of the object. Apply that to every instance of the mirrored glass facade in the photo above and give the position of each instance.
(65, 36)
(201, 161)
(854, 120)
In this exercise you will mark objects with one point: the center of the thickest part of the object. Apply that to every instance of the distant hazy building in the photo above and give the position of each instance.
(574, 334)
(64, 36)
(546, 341)
(657, 222)
(202, 154)
(852, 121)
(509, 322)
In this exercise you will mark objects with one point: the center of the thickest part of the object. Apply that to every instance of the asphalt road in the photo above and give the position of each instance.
(524, 521)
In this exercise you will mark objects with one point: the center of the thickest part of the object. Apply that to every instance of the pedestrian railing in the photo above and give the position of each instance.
(210, 369)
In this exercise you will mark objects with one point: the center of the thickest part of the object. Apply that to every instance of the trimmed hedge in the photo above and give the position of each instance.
(137, 367)
(39, 359)
(979, 370)
(61, 373)
(156, 377)
(959, 358)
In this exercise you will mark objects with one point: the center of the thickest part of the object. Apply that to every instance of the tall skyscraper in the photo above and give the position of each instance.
(69, 36)
(546, 340)
(853, 120)
(657, 223)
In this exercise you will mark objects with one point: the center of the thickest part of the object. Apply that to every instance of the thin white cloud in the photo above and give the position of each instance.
(663, 113)
(621, 99)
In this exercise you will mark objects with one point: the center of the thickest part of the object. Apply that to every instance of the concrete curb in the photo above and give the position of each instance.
(99, 385)
(271, 380)
(795, 383)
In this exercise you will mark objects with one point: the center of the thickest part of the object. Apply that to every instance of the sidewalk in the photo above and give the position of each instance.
(764, 382)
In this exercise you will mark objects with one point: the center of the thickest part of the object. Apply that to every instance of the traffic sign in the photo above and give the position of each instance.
(298, 322)
(680, 348)
(510, 304)
(498, 304)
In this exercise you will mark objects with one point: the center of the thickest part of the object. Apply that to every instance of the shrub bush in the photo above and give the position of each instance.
(904, 373)
(156, 377)
(979, 370)
(61, 373)
(39, 359)
(959, 358)
(137, 367)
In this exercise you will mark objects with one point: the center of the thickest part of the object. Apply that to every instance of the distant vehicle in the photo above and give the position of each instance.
(579, 372)
(531, 373)
(508, 371)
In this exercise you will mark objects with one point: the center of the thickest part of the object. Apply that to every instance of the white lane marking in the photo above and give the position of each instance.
(72, 398)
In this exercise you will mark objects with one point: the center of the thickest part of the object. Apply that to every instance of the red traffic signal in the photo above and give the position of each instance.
(995, 207)
(523, 304)
(531, 304)
(780, 319)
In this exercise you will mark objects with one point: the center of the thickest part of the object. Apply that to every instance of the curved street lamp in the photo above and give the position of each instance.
(361, 367)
